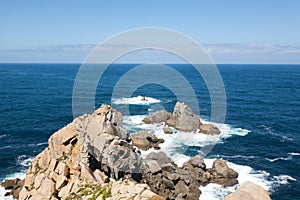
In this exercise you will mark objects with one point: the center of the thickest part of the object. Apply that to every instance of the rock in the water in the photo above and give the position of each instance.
(249, 191)
(222, 174)
(167, 130)
(209, 129)
(183, 118)
(161, 116)
(145, 141)
(15, 185)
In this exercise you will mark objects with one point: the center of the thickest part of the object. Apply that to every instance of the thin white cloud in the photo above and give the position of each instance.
(252, 49)
(220, 53)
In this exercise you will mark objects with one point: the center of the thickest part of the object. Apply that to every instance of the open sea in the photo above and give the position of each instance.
(260, 137)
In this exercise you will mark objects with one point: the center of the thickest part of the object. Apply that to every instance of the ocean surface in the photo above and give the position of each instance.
(260, 137)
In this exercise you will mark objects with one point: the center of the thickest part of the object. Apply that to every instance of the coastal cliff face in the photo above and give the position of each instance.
(85, 160)
(93, 158)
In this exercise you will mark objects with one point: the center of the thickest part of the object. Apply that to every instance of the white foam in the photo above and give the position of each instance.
(24, 160)
(289, 157)
(139, 100)
(2, 136)
(174, 147)
(179, 138)
(284, 179)
(246, 173)
(294, 154)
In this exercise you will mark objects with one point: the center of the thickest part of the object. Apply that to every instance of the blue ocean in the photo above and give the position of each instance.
(260, 137)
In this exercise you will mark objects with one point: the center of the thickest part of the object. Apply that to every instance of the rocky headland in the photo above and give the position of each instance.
(94, 157)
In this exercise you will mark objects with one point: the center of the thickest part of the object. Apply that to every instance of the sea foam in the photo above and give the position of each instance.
(139, 100)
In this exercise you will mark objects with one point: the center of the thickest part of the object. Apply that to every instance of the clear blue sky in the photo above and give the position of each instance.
(35, 24)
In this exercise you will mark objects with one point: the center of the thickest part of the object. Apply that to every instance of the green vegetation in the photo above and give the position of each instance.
(92, 190)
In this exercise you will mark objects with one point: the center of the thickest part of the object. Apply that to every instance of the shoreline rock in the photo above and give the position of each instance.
(182, 119)
(92, 157)
(249, 191)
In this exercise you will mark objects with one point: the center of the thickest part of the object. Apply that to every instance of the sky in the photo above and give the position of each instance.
(232, 31)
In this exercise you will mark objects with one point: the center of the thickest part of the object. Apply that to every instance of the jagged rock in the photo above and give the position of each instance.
(65, 191)
(182, 188)
(167, 130)
(153, 166)
(220, 173)
(249, 191)
(145, 141)
(197, 161)
(15, 185)
(47, 188)
(130, 190)
(183, 118)
(95, 151)
(161, 116)
(209, 129)
(161, 158)
(222, 169)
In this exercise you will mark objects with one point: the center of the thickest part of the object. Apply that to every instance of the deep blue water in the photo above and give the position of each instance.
(36, 100)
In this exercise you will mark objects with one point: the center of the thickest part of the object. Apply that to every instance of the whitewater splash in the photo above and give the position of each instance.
(174, 148)
(289, 157)
(20, 175)
(180, 138)
(262, 178)
(139, 100)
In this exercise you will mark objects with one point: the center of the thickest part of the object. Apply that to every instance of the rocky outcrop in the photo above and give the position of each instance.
(161, 116)
(168, 180)
(182, 119)
(249, 191)
(14, 185)
(84, 160)
(222, 174)
(93, 157)
(145, 141)
(209, 129)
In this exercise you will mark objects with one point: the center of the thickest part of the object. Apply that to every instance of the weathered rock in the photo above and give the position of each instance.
(153, 166)
(222, 169)
(249, 191)
(182, 188)
(197, 161)
(222, 174)
(167, 130)
(161, 116)
(94, 152)
(145, 141)
(141, 140)
(161, 158)
(15, 185)
(130, 190)
(183, 118)
(209, 129)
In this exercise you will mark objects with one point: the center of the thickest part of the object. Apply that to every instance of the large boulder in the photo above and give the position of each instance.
(249, 191)
(183, 118)
(170, 181)
(222, 174)
(145, 141)
(161, 116)
(14, 185)
(209, 129)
